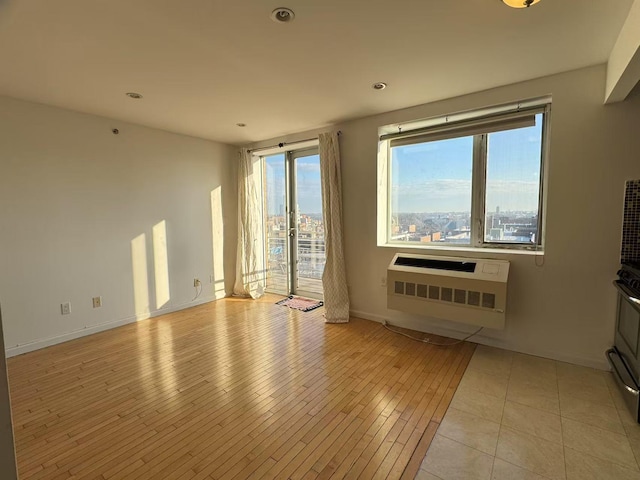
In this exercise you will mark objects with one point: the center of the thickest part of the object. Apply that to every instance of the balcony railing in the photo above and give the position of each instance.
(311, 261)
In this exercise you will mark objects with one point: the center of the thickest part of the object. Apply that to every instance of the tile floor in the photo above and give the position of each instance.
(519, 417)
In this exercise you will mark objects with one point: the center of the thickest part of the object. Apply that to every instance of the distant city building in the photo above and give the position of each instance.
(496, 234)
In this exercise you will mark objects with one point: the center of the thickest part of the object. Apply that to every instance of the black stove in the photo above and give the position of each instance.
(624, 356)
(629, 276)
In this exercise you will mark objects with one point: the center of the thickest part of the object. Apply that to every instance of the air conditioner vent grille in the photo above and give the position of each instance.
(434, 292)
(488, 300)
(447, 294)
(473, 298)
(466, 290)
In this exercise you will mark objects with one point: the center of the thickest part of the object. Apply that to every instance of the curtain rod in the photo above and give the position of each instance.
(283, 144)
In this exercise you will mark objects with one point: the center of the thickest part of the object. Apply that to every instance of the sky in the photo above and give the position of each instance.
(436, 176)
(309, 191)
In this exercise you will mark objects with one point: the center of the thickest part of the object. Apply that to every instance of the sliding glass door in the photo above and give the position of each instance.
(294, 230)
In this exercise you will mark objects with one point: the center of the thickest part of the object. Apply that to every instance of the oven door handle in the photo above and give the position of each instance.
(628, 294)
(612, 351)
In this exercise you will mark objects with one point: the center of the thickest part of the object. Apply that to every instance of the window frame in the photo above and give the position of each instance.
(439, 128)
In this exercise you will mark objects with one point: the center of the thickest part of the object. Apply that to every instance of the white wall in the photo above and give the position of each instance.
(78, 207)
(564, 309)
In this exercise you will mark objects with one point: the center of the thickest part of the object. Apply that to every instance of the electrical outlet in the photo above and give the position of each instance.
(196, 282)
(383, 281)
(65, 308)
(211, 280)
(97, 302)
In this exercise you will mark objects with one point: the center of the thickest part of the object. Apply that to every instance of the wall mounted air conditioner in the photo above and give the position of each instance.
(466, 290)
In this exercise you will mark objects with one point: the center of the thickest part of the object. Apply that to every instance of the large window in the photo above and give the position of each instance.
(474, 182)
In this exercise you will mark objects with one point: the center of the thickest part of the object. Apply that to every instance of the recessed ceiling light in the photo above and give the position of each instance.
(135, 95)
(520, 3)
(283, 15)
(379, 86)
(241, 124)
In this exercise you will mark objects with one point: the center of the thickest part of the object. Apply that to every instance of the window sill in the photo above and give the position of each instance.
(454, 248)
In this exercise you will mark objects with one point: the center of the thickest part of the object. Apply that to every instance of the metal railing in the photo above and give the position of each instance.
(311, 257)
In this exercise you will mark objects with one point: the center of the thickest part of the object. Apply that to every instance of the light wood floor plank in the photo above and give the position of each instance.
(234, 389)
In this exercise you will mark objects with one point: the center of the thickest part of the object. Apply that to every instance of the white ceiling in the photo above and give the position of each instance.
(205, 65)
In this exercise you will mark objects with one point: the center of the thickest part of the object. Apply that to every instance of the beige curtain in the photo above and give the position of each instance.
(250, 256)
(334, 278)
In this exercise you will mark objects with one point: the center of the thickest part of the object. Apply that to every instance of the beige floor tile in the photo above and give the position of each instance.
(451, 460)
(535, 366)
(490, 360)
(589, 387)
(424, 475)
(591, 413)
(569, 370)
(635, 448)
(494, 385)
(494, 352)
(597, 442)
(477, 403)
(531, 420)
(530, 395)
(627, 419)
(546, 382)
(631, 428)
(506, 471)
(531, 453)
(470, 430)
(585, 467)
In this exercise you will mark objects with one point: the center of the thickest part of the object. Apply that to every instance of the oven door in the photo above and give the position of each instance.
(628, 327)
(624, 357)
(626, 381)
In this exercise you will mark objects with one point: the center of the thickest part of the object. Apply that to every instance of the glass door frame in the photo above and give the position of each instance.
(292, 217)
(291, 243)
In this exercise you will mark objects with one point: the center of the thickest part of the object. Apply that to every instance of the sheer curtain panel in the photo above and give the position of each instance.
(250, 260)
(334, 278)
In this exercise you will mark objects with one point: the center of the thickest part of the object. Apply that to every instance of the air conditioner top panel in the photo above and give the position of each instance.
(470, 268)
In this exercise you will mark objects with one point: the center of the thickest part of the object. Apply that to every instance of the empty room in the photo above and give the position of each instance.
(320, 240)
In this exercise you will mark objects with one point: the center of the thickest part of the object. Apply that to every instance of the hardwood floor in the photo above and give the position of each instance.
(232, 389)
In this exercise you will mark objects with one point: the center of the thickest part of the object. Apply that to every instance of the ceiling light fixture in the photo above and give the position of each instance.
(520, 3)
(379, 86)
(241, 124)
(283, 15)
(134, 95)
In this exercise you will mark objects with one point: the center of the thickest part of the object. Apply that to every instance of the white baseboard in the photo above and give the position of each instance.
(598, 363)
(65, 337)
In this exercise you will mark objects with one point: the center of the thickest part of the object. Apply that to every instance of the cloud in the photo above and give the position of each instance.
(445, 195)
